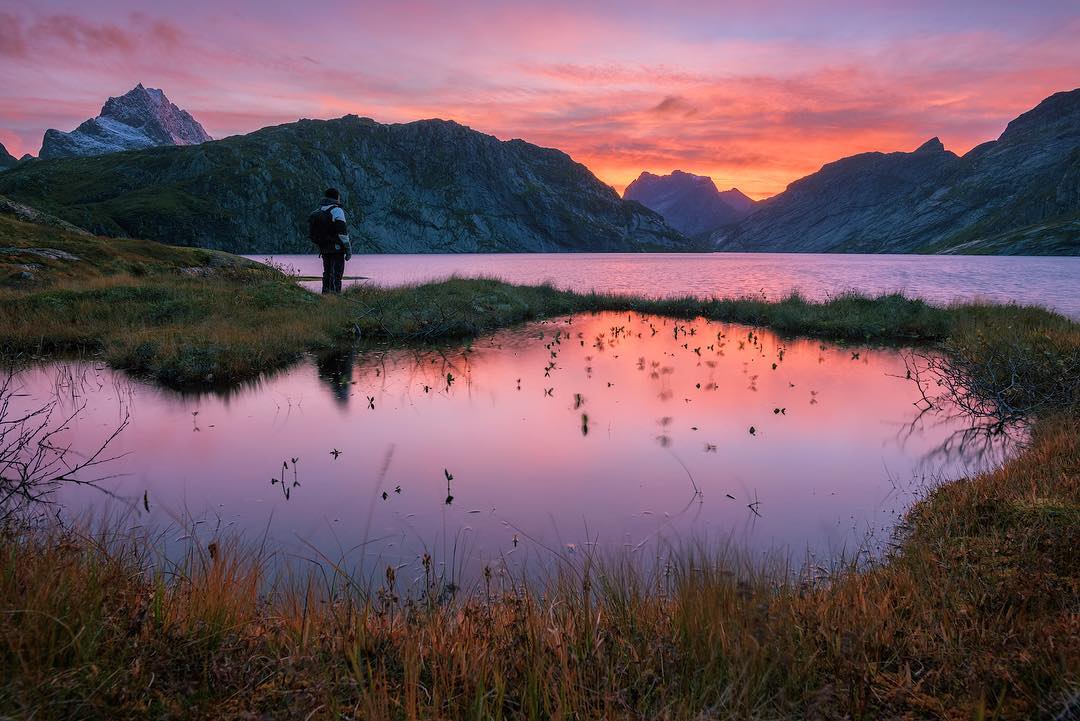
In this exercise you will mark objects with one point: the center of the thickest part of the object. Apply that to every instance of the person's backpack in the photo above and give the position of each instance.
(321, 230)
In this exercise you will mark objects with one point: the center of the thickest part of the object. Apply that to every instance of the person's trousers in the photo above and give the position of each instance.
(333, 268)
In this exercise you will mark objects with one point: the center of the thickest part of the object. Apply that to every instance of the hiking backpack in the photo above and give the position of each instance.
(321, 230)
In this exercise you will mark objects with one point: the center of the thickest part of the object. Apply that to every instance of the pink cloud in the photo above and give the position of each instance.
(12, 42)
(83, 35)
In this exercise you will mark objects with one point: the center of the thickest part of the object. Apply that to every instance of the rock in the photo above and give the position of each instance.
(427, 186)
(689, 203)
(141, 118)
(1001, 197)
(7, 160)
(50, 253)
(31, 215)
(931, 146)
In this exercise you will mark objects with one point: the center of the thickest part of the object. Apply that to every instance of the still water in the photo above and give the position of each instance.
(597, 433)
(1050, 282)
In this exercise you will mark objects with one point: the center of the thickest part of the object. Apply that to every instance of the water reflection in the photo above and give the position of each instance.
(335, 371)
(604, 433)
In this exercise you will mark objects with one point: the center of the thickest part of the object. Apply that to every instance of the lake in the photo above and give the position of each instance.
(1050, 282)
(606, 433)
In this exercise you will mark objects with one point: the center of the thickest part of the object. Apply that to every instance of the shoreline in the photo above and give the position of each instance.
(196, 318)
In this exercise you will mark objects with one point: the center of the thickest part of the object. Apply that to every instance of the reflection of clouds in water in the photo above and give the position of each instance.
(667, 455)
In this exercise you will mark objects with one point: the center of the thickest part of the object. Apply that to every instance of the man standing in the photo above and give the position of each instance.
(327, 230)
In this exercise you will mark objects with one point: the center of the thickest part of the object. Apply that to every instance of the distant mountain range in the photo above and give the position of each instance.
(437, 186)
(1019, 194)
(140, 118)
(690, 203)
(429, 186)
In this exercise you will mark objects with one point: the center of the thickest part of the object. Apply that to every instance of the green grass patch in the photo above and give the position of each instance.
(192, 317)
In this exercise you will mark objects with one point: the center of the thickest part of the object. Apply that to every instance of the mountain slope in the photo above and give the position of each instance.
(739, 201)
(1023, 186)
(689, 203)
(856, 204)
(32, 215)
(141, 118)
(7, 160)
(427, 186)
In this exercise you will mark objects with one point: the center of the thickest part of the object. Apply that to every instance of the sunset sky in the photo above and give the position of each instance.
(754, 94)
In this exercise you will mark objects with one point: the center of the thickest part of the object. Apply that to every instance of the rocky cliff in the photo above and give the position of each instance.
(689, 203)
(1017, 194)
(427, 186)
(7, 160)
(141, 118)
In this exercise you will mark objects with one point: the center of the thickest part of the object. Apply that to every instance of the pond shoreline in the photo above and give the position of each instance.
(189, 318)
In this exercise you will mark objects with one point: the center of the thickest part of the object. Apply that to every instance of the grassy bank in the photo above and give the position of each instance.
(192, 317)
(974, 617)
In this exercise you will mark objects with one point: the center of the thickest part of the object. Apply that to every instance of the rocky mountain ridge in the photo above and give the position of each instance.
(437, 186)
(426, 186)
(690, 203)
(7, 160)
(141, 118)
(1019, 193)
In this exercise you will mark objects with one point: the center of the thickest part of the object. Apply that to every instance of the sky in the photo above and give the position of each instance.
(755, 94)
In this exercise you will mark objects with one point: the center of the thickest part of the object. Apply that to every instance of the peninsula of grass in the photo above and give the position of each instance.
(972, 616)
(197, 318)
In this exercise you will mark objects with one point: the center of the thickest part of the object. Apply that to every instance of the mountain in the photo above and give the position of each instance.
(742, 203)
(7, 160)
(689, 203)
(426, 186)
(1017, 194)
(141, 118)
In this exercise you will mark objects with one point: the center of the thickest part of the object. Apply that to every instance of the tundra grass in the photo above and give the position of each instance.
(191, 317)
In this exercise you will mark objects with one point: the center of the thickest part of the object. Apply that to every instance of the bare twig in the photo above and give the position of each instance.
(34, 462)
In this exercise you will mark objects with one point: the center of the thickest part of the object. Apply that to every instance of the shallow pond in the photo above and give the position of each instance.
(600, 433)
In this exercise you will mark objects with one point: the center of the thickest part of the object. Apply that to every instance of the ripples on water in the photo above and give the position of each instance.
(1050, 282)
(606, 433)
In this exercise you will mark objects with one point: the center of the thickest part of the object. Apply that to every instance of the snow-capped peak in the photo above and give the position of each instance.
(141, 118)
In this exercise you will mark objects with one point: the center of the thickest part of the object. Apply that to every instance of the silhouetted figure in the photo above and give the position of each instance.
(327, 230)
